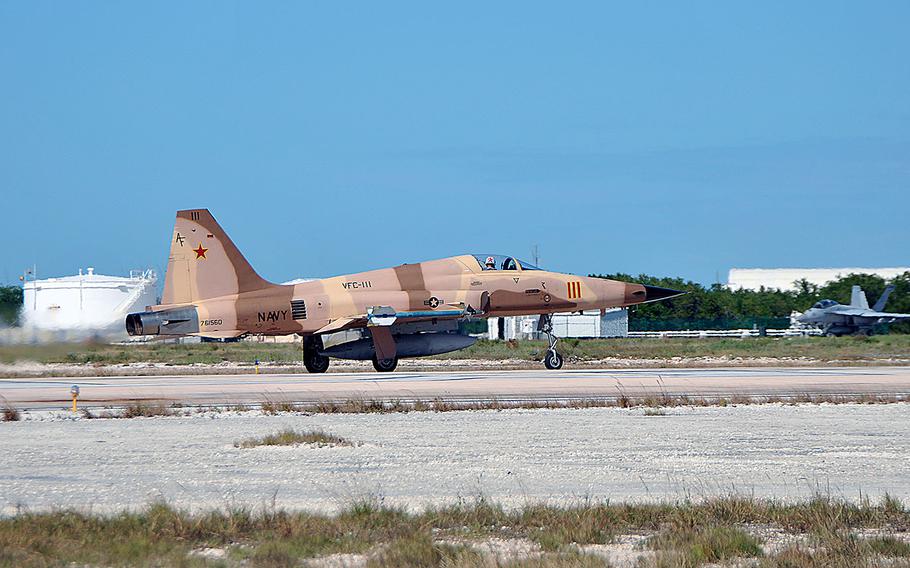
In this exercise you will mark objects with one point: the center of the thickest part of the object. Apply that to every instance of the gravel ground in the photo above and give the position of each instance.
(560, 456)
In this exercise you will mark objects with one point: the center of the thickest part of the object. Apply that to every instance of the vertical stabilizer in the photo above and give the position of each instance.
(880, 304)
(858, 298)
(204, 263)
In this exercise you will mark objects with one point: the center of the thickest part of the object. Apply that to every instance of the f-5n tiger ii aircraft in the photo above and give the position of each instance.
(411, 310)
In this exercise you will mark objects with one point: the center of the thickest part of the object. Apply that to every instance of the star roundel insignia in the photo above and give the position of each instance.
(200, 252)
(433, 302)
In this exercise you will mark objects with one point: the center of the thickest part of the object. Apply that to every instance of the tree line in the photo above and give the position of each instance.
(718, 307)
(10, 302)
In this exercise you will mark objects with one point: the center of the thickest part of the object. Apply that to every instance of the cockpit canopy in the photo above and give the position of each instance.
(824, 304)
(501, 262)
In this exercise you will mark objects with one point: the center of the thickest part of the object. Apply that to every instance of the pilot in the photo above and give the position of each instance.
(491, 263)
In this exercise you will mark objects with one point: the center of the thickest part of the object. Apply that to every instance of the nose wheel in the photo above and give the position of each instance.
(552, 360)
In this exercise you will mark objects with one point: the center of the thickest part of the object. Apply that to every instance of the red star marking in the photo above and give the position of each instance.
(200, 252)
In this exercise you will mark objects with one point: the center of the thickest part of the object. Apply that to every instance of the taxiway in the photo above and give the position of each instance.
(566, 384)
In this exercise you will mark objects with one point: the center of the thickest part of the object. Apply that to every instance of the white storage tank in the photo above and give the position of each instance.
(87, 304)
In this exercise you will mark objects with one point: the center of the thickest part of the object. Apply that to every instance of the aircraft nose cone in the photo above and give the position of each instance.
(654, 293)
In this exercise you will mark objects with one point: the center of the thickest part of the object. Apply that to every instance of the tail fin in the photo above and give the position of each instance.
(858, 298)
(880, 304)
(204, 262)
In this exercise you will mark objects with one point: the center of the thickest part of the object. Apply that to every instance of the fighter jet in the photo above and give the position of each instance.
(411, 310)
(858, 318)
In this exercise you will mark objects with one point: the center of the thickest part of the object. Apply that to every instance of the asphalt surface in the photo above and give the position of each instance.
(566, 384)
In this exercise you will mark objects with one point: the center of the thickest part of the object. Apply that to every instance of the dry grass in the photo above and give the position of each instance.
(139, 409)
(657, 403)
(684, 534)
(690, 547)
(843, 549)
(291, 437)
(654, 405)
(889, 546)
(11, 414)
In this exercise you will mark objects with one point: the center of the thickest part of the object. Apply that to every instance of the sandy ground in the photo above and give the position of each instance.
(559, 456)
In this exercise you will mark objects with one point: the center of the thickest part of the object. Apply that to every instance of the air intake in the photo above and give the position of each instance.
(298, 309)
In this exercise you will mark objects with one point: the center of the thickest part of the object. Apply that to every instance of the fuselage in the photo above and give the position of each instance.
(425, 287)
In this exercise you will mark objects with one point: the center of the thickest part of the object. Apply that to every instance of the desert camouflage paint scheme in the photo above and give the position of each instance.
(212, 291)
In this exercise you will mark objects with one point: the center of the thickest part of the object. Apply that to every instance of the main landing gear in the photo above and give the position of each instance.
(312, 360)
(552, 360)
(385, 365)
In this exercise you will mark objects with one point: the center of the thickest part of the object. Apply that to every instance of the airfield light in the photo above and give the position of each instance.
(74, 390)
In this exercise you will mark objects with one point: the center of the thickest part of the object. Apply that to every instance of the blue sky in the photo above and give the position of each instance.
(336, 137)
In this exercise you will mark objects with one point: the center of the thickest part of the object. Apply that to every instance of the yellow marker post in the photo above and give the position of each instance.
(74, 390)
(257, 366)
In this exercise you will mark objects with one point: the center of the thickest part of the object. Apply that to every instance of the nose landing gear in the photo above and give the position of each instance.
(552, 360)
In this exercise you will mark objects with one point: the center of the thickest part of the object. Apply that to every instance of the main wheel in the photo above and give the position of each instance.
(316, 363)
(553, 360)
(385, 365)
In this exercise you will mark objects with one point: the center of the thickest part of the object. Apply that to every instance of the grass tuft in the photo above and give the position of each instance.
(418, 550)
(139, 409)
(11, 414)
(291, 437)
(690, 547)
(889, 546)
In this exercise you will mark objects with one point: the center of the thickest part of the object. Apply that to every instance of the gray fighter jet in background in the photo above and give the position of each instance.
(858, 318)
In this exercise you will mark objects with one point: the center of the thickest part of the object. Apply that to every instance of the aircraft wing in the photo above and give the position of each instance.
(386, 316)
(886, 315)
(849, 311)
(865, 313)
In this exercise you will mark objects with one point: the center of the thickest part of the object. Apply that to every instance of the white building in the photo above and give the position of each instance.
(785, 278)
(86, 305)
(613, 323)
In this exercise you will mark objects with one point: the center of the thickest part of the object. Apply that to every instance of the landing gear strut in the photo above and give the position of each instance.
(312, 360)
(552, 360)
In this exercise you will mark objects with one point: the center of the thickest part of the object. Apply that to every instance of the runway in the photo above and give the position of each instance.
(47, 393)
